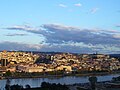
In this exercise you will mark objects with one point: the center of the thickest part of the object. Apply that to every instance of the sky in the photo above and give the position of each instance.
(78, 26)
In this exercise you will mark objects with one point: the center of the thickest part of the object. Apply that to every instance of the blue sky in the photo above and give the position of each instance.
(59, 25)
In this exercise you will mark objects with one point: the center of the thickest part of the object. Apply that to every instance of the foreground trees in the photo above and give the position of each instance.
(44, 86)
(53, 86)
(93, 81)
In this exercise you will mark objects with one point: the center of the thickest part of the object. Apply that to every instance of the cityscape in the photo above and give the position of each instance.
(21, 64)
(16, 61)
(59, 45)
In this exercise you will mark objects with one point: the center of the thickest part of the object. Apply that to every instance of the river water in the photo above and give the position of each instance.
(36, 82)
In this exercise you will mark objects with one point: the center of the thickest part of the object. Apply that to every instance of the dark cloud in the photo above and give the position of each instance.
(60, 34)
(81, 48)
(27, 28)
(24, 27)
(46, 48)
(18, 46)
(78, 39)
(66, 48)
(16, 34)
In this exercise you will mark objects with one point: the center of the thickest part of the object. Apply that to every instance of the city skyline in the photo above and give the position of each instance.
(80, 26)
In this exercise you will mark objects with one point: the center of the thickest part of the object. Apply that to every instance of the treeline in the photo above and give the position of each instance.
(44, 86)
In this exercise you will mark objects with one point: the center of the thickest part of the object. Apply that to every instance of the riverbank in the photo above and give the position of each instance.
(63, 75)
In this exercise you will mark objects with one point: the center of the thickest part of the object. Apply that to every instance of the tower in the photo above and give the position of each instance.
(4, 62)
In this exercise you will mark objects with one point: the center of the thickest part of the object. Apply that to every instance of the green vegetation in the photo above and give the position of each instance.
(93, 81)
(8, 74)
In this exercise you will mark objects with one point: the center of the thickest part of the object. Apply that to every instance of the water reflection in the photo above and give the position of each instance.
(36, 82)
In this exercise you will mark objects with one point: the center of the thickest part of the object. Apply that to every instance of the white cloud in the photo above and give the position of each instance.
(35, 46)
(63, 5)
(78, 4)
(116, 36)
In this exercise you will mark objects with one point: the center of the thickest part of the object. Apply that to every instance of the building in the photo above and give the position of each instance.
(4, 62)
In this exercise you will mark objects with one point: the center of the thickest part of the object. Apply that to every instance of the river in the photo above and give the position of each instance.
(36, 82)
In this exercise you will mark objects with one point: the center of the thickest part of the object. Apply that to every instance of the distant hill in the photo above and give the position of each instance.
(115, 55)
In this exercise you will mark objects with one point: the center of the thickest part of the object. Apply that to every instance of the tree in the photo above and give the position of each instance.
(7, 86)
(45, 84)
(93, 81)
(8, 73)
(27, 86)
(16, 87)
